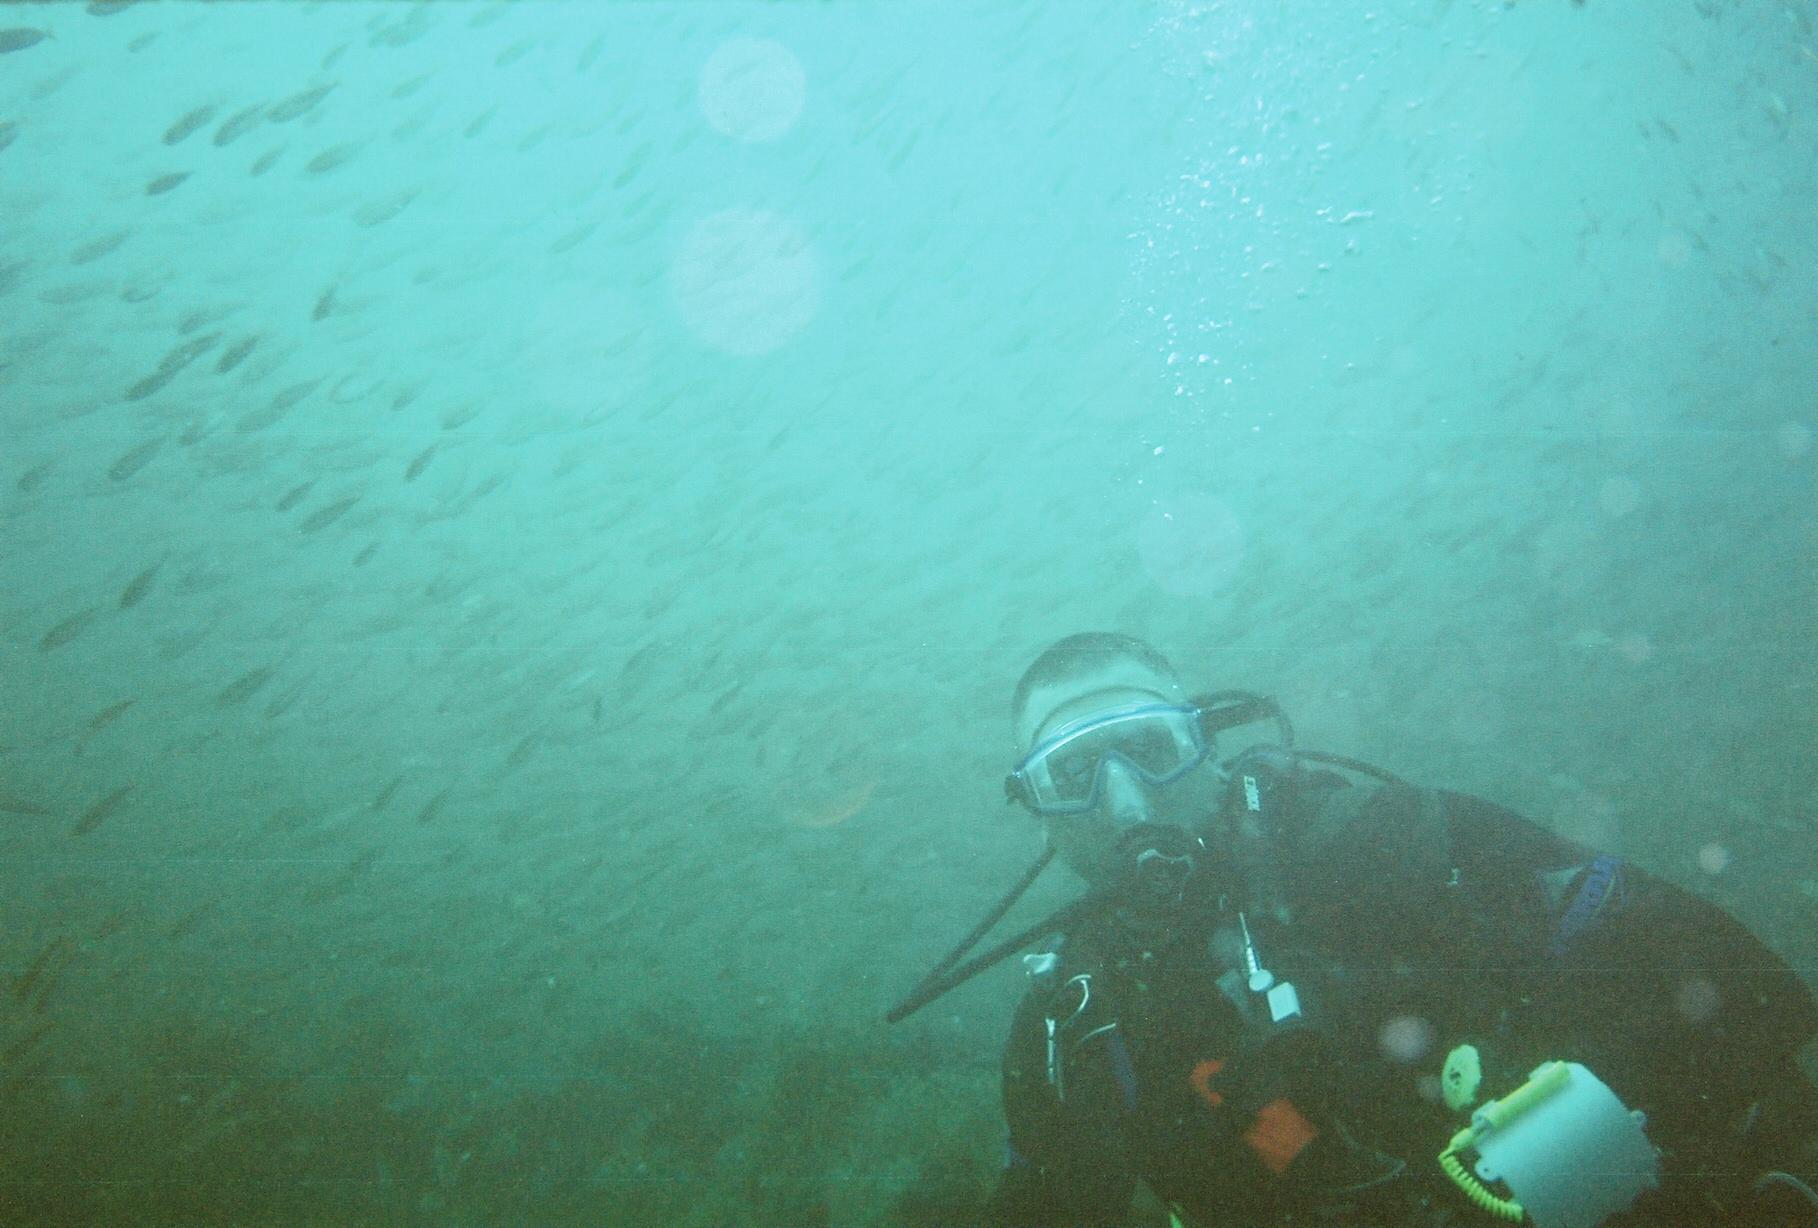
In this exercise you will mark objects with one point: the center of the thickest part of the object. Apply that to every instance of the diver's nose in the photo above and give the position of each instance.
(1126, 795)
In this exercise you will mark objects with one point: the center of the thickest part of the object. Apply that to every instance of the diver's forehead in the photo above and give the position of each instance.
(1111, 682)
(1079, 708)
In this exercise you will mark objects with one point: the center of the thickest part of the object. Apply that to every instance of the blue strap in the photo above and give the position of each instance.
(1122, 1069)
(1601, 886)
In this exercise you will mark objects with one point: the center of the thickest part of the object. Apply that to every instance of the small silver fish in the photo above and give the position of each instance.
(330, 159)
(322, 517)
(421, 462)
(94, 249)
(107, 716)
(139, 586)
(236, 354)
(18, 38)
(138, 458)
(295, 495)
(97, 814)
(66, 630)
(244, 687)
(298, 104)
(239, 124)
(189, 123)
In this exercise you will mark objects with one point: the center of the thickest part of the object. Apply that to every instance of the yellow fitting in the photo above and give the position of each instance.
(1547, 1078)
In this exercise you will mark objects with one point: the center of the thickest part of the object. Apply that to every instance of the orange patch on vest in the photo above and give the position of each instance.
(1279, 1133)
(1201, 1078)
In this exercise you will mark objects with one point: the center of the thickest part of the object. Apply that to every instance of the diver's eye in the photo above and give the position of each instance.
(1152, 750)
(1073, 773)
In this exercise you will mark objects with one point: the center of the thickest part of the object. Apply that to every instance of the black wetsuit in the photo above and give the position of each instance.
(1409, 921)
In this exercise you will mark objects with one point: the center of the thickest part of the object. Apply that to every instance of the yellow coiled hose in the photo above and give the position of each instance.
(1475, 1190)
(1546, 1079)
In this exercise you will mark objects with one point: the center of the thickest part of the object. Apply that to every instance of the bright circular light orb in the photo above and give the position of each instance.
(1191, 545)
(1406, 1038)
(1620, 496)
(1795, 440)
(1635, 647)
(752, 89)
(1698, 999)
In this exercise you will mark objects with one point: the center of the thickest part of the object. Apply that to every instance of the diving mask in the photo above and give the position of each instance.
(1065, 773)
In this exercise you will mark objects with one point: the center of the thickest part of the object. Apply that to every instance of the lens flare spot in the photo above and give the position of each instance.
(752, 89)
(1191, 545)
(1794, 440)
(832, 811)
(1620, 496)
(1698, 999)
(1635, 647)
(1406, 1038)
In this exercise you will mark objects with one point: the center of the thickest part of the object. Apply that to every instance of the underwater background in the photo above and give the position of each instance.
(519, 523)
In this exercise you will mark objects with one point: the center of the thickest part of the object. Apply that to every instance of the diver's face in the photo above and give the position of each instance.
(1091, 842)
(1127, 807)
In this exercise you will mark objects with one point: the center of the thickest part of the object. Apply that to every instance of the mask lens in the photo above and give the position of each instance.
(1160, 743)
(1073, 772)
(1153, 750)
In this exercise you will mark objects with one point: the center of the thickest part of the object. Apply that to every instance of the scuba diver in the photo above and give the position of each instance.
(1301, 990)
